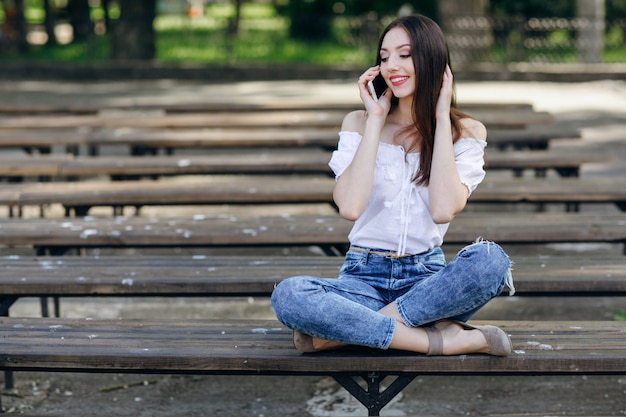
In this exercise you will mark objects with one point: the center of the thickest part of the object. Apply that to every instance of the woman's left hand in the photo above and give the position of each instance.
(445, 95)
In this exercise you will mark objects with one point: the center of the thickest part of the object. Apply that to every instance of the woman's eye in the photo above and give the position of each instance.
(404, 56)
(385, 59)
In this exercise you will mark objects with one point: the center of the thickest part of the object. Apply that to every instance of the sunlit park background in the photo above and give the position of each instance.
(328, 32)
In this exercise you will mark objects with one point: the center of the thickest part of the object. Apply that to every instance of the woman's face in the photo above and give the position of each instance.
(397, 64)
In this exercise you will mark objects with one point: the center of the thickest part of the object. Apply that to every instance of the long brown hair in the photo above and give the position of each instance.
(430, 55)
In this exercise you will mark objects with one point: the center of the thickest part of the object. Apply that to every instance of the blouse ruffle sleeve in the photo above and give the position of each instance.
(469, 155)
(342, 157)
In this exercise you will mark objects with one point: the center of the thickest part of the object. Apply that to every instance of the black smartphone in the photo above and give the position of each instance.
(377, 87)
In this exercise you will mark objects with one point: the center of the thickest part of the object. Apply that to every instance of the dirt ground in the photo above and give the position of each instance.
(597, 108)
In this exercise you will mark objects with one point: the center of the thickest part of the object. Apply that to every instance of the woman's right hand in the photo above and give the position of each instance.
(373, 107)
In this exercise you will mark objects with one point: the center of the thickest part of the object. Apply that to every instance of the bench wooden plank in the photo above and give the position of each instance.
(237, 162)
(221, 107)
(20, 166)
(559, 190)
(324, 230)
(324, 137)
(187, 120)
(293, 162)
(508, 118)
(532, 137)
(210, 276)
(255, 162)
(43, 141)
(200, 190)
(265, 348)
(247, 189)
(310, 161)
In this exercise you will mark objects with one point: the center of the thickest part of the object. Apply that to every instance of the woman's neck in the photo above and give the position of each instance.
(403, 113)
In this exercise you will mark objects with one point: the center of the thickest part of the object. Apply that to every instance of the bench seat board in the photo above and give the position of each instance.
(204, 106)
(265, 347)
(252, 189)
(214, 190)
(323, 137)
(259, 162)
(200, 230)
(553, 190)
(200, 276)
(284, 118)
(245, 161)
(238, 162)
(326, 137)
(42, 137)
(216, 137)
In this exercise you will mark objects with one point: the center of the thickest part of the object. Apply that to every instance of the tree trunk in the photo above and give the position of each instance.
(467, 29)
(49, 23)
(591, 26)
(133, 35)
(107, 17)
(233, 25)
(14, 28)
(80, 19)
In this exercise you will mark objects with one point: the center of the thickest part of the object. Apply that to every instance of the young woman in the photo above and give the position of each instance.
(405, 167)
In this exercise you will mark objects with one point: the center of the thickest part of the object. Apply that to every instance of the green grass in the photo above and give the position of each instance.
(259, 40)
(252, 46)
(620, 315)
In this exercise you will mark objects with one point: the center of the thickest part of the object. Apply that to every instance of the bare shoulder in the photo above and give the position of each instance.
(471, 128)
(354, 121)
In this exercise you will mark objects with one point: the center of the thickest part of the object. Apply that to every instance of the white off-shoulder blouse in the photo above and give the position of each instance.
(397, 217)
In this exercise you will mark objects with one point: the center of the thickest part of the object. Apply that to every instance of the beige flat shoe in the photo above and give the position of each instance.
(498, 341)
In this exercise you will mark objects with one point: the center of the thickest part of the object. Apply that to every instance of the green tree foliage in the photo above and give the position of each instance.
(312, 19)
(534, 8)
(553, 8)
(133, 34)
(616, 9)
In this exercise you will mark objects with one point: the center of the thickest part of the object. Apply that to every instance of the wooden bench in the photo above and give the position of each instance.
(259, 347)
(581, 347)
(148, 128)
(150, 141)
(326, 231)
(38, 141)
(177, 107)
(571, 191)
(565, 164)
(79, 197)
(211, 276)
(277, 161)
(497, 118)
(235, 276)
(531, 138)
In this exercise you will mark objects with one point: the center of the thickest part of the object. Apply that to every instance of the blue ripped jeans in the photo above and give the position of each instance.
(424, 287)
